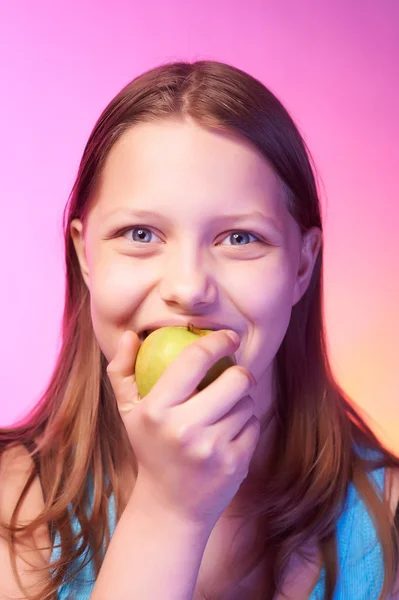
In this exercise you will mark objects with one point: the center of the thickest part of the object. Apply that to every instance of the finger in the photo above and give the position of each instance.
(229, 388)
(121, 370)
(231, 424)
(247, 439)
(185, 373)
(242, 448)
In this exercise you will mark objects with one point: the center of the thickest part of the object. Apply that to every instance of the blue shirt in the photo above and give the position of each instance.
(360, 559)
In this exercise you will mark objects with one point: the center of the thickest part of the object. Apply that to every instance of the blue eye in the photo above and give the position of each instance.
(238, 236)
(140, 233)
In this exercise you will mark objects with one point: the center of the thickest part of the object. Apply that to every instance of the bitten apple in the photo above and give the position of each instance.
(162, 346)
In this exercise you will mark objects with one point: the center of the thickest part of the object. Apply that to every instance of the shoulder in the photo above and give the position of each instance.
(390, 482)
(392, 488)
(15, 468)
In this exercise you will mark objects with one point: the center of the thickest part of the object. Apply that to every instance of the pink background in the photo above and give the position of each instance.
(335, 67)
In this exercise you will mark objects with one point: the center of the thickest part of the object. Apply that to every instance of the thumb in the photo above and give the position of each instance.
(121, 371)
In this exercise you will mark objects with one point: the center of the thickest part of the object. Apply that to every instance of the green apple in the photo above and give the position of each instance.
(162, 346)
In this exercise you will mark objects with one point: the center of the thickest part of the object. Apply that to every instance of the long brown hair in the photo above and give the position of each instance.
(76, 423)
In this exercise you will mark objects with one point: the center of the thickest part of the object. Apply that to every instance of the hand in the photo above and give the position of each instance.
(193, 448)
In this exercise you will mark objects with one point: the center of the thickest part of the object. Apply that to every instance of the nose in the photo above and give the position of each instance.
(187, 283)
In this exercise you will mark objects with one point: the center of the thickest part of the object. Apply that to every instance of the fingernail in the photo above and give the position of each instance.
(234, 336)
(125, 408)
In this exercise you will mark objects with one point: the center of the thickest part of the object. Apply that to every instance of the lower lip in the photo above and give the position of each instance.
(144, 336)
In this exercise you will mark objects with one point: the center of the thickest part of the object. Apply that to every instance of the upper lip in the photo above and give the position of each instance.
(201, 323)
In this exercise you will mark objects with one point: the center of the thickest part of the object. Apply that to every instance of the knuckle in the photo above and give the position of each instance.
(249, 404)
(205, 451)
(183, 433)
(198, 353)
(230, 464)
(151, 415)
(110, 369)
(242, 375)
(254, 424)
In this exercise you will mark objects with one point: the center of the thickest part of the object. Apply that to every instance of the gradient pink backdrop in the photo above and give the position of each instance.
(335, 67)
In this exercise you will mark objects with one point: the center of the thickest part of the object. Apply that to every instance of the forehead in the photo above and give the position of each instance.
(181, 165)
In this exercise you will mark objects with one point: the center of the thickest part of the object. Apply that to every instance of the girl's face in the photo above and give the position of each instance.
(216, 241)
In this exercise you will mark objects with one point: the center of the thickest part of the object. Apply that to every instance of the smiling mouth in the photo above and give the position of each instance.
(144, 334)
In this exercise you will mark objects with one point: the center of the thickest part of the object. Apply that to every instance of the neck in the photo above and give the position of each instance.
(242, 504)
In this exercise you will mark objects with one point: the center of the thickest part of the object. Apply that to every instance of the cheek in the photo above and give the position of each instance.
(114, 296)
(268, 293)
(273, 312)
(267, 304)
(114, 290)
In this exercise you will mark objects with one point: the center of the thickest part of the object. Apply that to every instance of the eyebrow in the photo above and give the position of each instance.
(225, 218)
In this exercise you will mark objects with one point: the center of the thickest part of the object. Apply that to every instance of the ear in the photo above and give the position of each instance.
(311, 244)
(77, 235)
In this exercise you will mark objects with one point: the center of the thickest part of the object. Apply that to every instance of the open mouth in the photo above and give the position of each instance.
(144, 334)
